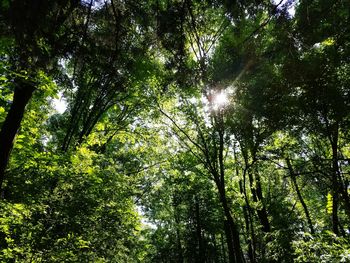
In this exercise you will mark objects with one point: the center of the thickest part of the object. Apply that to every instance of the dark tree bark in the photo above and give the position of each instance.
(257, 196)
(247, 212)
(335, 183)
(335, 197)
(22, 94)
(179, 249)
(262, 212)
(235, 251)
(300, 197)
(256, 190)
(338, 187)
(201, 252)
(248, 224)
(229, 242)
(337, 179)
(231, 231)
(223, 250)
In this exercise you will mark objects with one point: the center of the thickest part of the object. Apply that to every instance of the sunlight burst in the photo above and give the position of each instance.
(220, 99)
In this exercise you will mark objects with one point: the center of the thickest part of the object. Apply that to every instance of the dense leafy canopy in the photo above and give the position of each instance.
(175, 131)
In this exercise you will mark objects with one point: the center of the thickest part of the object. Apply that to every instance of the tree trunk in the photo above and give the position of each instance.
(229, 242)
(249, 228)
(231, 231)
(201, 252)
(247, 213)
(223, 250)
(263, 212)
(336, 187)
(257, 196)
(10, 127)
(335, 219)
(300, 197)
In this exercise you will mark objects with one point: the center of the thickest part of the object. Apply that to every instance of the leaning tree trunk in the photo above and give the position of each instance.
(10, 127)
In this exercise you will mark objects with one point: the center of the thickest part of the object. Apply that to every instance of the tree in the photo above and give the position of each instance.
(36, 48)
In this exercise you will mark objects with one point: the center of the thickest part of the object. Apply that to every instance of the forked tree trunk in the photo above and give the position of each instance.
(10, 127)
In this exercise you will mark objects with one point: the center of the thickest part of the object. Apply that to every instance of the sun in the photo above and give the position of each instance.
(220, 99)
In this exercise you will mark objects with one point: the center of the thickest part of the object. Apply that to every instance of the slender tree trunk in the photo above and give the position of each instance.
(247, 213)
(215, 256)
(232, 233)
(263, 212)
(10, 127)
(336, 188)
(223, 250)
(231, 229)
(344, 192)
(339, 188)
(250, 234)
(229, 242)
(300, 197)
(201, 252)
(179, 246)
(257, 196)
(180, 257)
(335, 219)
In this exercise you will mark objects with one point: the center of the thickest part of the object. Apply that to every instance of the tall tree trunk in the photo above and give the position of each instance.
(179, 246)
(231, 231)
(179, 252)
(300, 197)
(246, 212)
(10, 127)
(263, 212)
(256, 190)
(201, 252)
(247, 219)
(180, 257)
(335, 197)
(336, 186)
(339, 188)
(223, 250)
(235, 251)
(344, 193)
(215, 255)
(229, 242)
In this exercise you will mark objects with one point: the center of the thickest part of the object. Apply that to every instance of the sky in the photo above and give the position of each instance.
(291, 9)
(60, 104)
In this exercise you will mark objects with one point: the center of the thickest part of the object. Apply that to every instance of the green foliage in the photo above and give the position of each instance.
(324, 247)
(145, 165)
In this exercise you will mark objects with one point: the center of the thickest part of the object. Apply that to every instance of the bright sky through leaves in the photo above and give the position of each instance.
(60, 104)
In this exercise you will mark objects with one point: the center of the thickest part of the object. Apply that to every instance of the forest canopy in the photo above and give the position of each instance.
(175, 131)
